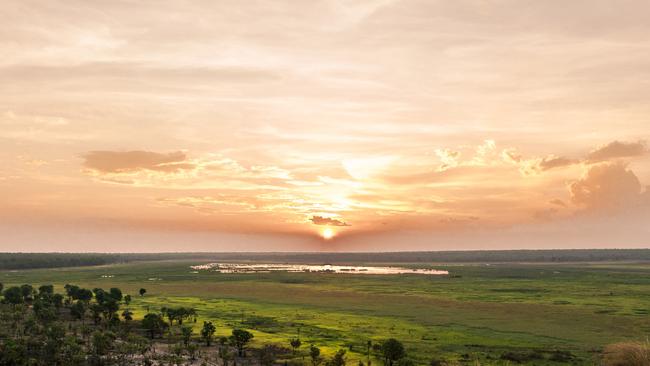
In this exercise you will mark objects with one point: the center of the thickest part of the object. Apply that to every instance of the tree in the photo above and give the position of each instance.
(314, 354)
(338, 359)
(392, 350)
(57, 300)
(295, 344)
(78, 310)
(154, 324)
(368, 347)
(27, 291)
(46, 290)
(186, 333)
(240, 338)
(44, 311)
(192, 349)
(183, 313)
(71, 290)
(100, 295)
(170, 313)
(83, 294)
(115, 293)
(96, 310)
(268, 355)
(111, 306)
(208, 332)
(143, 291)
(14, 295)
(102, 343)
(127, 300)
(127, 315)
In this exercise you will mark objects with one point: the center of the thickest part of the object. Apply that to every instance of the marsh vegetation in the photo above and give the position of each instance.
(497, 314)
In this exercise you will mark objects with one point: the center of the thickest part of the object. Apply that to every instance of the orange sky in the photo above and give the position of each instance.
(387, 124)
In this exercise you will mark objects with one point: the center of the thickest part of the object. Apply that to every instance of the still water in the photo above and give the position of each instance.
(325, 268)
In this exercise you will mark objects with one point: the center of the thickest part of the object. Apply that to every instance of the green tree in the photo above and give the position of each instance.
(127, 300)
(96, 311)
(100, 295)
(78, 310)
(186, 333)
(14, 295)
(338, 359)
(83, 294)
(268, 354)
(115, 293)
(154, 324)
(57, 301)
(127, 315)
(208, 332)
(392, 350)
(102, 343)
(110, 307)
(142, 292)
(46, 290)
(314, 354)
(27, 291)
(240, 338)
(70, 291)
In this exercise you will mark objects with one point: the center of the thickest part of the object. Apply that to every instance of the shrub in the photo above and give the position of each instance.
(561, 356)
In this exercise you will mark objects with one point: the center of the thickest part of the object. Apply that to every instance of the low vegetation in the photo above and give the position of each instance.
(96, 327)
(165, 313)
(627, 354)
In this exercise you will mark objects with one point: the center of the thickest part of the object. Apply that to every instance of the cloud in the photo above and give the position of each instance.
(551, 162)
(608, 187)
(617, 149)
(131, 161)
(538, 165)
(448, 157)
(558, 202)
(511, 155)
(320, 220)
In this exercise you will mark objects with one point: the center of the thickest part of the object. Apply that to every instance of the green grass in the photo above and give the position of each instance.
(479, 311)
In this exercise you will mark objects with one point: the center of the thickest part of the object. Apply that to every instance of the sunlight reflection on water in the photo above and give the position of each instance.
(326, 268)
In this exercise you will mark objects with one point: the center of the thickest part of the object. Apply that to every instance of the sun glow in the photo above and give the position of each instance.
(327, 233)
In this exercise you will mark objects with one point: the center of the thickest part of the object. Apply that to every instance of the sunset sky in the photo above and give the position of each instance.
(330, 125)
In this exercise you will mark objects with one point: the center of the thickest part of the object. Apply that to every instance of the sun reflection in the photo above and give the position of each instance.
(327, 233)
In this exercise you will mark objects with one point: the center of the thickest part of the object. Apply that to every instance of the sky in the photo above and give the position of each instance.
(350, 125)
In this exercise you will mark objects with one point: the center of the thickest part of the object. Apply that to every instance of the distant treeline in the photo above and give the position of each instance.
(55, 260)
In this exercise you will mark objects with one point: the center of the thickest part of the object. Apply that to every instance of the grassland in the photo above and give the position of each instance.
(478, 312)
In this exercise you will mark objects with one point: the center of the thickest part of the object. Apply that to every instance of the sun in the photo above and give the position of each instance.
(327, 233)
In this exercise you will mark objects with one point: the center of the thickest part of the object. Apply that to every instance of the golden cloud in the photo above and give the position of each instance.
(131, 161)
(608, 187)
(320, 220)
(617, 149)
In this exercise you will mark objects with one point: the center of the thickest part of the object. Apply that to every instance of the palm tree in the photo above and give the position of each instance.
(295, 344)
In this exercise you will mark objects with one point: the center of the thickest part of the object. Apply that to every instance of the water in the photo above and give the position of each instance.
(325, 268)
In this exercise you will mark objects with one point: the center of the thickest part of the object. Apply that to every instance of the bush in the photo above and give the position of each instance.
(520, 357)
(627, 354)
(561, 356)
